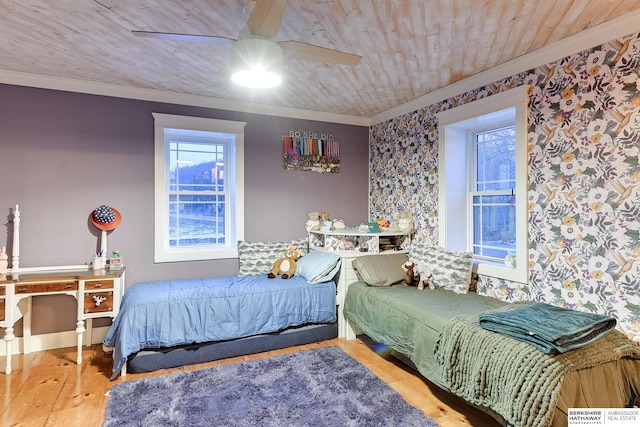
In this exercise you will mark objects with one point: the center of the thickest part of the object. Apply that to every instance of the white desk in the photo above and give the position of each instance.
(98, 293)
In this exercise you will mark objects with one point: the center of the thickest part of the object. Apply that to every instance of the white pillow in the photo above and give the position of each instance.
(451, 269)
(258, 257)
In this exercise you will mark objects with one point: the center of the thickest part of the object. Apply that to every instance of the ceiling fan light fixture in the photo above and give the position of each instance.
(256, 63)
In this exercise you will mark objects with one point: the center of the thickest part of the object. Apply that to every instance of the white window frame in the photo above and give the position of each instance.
(455, 168)
(162, 251)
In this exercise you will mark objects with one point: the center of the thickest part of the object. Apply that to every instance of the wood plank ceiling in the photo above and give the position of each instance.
(409, 47)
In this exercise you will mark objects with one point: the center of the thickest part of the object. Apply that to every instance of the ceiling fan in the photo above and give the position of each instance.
(254, 50)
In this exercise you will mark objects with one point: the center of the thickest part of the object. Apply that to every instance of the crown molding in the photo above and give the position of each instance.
(105, 89)
(621, 26)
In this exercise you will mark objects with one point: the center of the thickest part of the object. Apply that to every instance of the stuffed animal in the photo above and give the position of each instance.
(409, 274)
(402, 221)
(338, 224)
(324, 217)
(383, 224)
(313, 223)
(286, 267)
(425, 276)
(417, 275)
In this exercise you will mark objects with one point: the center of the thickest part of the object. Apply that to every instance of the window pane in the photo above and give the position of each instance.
(196, 166)
(197, 192)
(496, 159)
(196, 220)
(494, 226)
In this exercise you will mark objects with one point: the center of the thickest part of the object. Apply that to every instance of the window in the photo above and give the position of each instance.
(199, 203)
(482, 206)
(492, 192)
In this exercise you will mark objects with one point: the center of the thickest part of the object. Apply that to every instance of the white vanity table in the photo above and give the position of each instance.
(97, 292)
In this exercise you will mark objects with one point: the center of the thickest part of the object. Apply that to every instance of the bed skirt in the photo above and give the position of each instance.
(172, 357)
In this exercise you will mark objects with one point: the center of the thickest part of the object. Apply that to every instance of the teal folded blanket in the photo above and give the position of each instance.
(550, 329)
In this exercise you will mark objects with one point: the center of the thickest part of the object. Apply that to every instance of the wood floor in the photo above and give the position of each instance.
(48, 389)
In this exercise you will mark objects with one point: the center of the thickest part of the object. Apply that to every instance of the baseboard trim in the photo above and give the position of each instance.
(53, 340)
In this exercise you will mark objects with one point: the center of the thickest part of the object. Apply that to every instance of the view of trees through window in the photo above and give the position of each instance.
(493, 193)
(197, 193)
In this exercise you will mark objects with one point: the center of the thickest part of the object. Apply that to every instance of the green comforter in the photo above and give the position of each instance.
(409, 320)
(473, 361)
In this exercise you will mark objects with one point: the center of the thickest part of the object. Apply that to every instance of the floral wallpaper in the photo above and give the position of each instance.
(584, 180)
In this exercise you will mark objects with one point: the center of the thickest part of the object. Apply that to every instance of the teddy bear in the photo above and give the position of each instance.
(313, 223)
(402, 221)
(417, 275)
(286, 267)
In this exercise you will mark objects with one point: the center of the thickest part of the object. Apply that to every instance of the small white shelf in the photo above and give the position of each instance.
(347, 243)
(352, 240)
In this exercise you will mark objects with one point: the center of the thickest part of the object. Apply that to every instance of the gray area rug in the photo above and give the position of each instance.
(317, 387)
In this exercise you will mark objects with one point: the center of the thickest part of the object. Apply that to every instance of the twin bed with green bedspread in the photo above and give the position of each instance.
(516, 383)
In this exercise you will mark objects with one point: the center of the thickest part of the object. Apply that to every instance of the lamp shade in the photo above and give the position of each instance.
(256, 63)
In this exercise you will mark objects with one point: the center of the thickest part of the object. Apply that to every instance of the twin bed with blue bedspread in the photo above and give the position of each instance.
(168, 313)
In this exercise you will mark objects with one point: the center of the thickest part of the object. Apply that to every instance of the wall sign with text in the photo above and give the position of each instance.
(311, 151)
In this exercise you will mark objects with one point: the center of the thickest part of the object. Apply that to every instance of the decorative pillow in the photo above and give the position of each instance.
(451, 269)
(318, 266)
(380, 270)
(258, 257)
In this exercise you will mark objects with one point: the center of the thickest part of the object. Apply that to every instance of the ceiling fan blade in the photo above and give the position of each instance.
(266, 17)
(183, 37)
(309, 52)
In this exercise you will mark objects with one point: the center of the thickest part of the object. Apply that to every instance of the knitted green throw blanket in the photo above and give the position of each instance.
(513, 378)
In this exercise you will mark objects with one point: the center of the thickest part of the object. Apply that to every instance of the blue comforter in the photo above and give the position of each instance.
(174, 312)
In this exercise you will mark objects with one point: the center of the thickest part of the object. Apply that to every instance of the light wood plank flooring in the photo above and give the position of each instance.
(47, 388)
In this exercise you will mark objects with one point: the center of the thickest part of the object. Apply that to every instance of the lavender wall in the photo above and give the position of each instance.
(63, 154)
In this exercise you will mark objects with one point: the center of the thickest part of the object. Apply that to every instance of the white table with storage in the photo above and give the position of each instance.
(349, 244)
